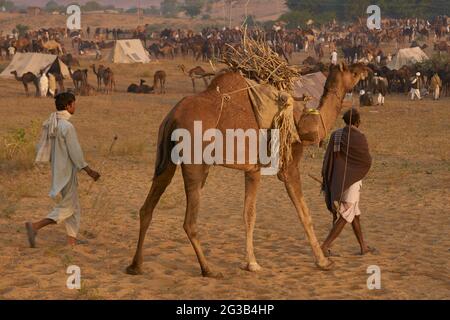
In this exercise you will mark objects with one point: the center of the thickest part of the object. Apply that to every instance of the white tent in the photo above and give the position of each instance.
(34, 63)
(129, 51)
(311, 85)
(407, 56)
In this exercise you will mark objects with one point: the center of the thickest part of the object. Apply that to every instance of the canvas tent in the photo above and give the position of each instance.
(312, 85)
(129, 51)
(406, 57)
(34, 63)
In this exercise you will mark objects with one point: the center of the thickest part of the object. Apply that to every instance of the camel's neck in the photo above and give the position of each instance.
(17, 77)
(330, 107)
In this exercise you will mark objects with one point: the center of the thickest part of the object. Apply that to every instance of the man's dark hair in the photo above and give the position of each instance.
(351, 116)
(62, 100)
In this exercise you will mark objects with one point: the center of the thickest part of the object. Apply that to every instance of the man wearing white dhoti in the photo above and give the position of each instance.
(59, 145)
(347, 161)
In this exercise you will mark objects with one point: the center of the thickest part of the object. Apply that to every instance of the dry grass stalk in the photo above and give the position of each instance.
(256, 60)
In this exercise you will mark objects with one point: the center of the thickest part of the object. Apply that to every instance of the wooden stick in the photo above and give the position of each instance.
(103, 162)
(315, 179)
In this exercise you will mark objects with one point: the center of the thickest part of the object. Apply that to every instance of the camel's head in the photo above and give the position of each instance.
(345, 77)
(14, 72)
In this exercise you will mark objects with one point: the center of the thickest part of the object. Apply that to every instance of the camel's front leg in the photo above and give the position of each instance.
(252, 180)
(293, 186)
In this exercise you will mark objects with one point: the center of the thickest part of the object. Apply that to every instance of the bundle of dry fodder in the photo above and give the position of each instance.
(255, 60)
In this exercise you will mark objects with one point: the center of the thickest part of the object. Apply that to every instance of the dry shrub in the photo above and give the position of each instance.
(18, 148)
(12, 190)
(88, 293)
(145, 74)
(129, 148)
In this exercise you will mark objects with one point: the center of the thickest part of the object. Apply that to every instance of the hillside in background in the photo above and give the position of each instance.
(116, 3)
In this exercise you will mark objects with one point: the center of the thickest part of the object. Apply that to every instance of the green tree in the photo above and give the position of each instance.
(92, 6)
(51, 6)
(8, 5)
(250, 21)
(22, 29)
(193, 7)
(350, 10)
(153, 10)
(169, 8)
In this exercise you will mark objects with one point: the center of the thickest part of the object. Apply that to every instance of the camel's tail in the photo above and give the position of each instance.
(165, 146)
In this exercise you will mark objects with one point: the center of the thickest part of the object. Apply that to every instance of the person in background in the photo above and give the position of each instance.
(380, 88)
(334, 57)
(435, 86)
(365, 99)
(415, 87)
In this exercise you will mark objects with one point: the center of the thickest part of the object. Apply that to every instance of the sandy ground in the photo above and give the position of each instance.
(404, 203)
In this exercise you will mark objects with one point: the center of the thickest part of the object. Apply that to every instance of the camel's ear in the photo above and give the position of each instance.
(343, 66)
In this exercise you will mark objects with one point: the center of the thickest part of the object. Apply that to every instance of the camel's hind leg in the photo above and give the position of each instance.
(252, 180)
(194, 178)
(159, 185)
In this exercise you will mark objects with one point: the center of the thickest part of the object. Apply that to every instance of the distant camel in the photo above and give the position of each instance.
(197, 73)
(51, 46)
(160, 77)
(22, 45)
(100, 75)
(26, 79)
(442, 46)
(79, 78)
(109, 81)
(70, 61)
(141, 88)
(166, 50)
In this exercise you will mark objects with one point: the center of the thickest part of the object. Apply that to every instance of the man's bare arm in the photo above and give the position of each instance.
(92, 173)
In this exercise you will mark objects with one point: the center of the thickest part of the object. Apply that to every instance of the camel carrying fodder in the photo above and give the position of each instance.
(257, 61)
(214, 112)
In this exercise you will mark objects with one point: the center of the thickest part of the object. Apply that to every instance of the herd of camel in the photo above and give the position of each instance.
(106, 82)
